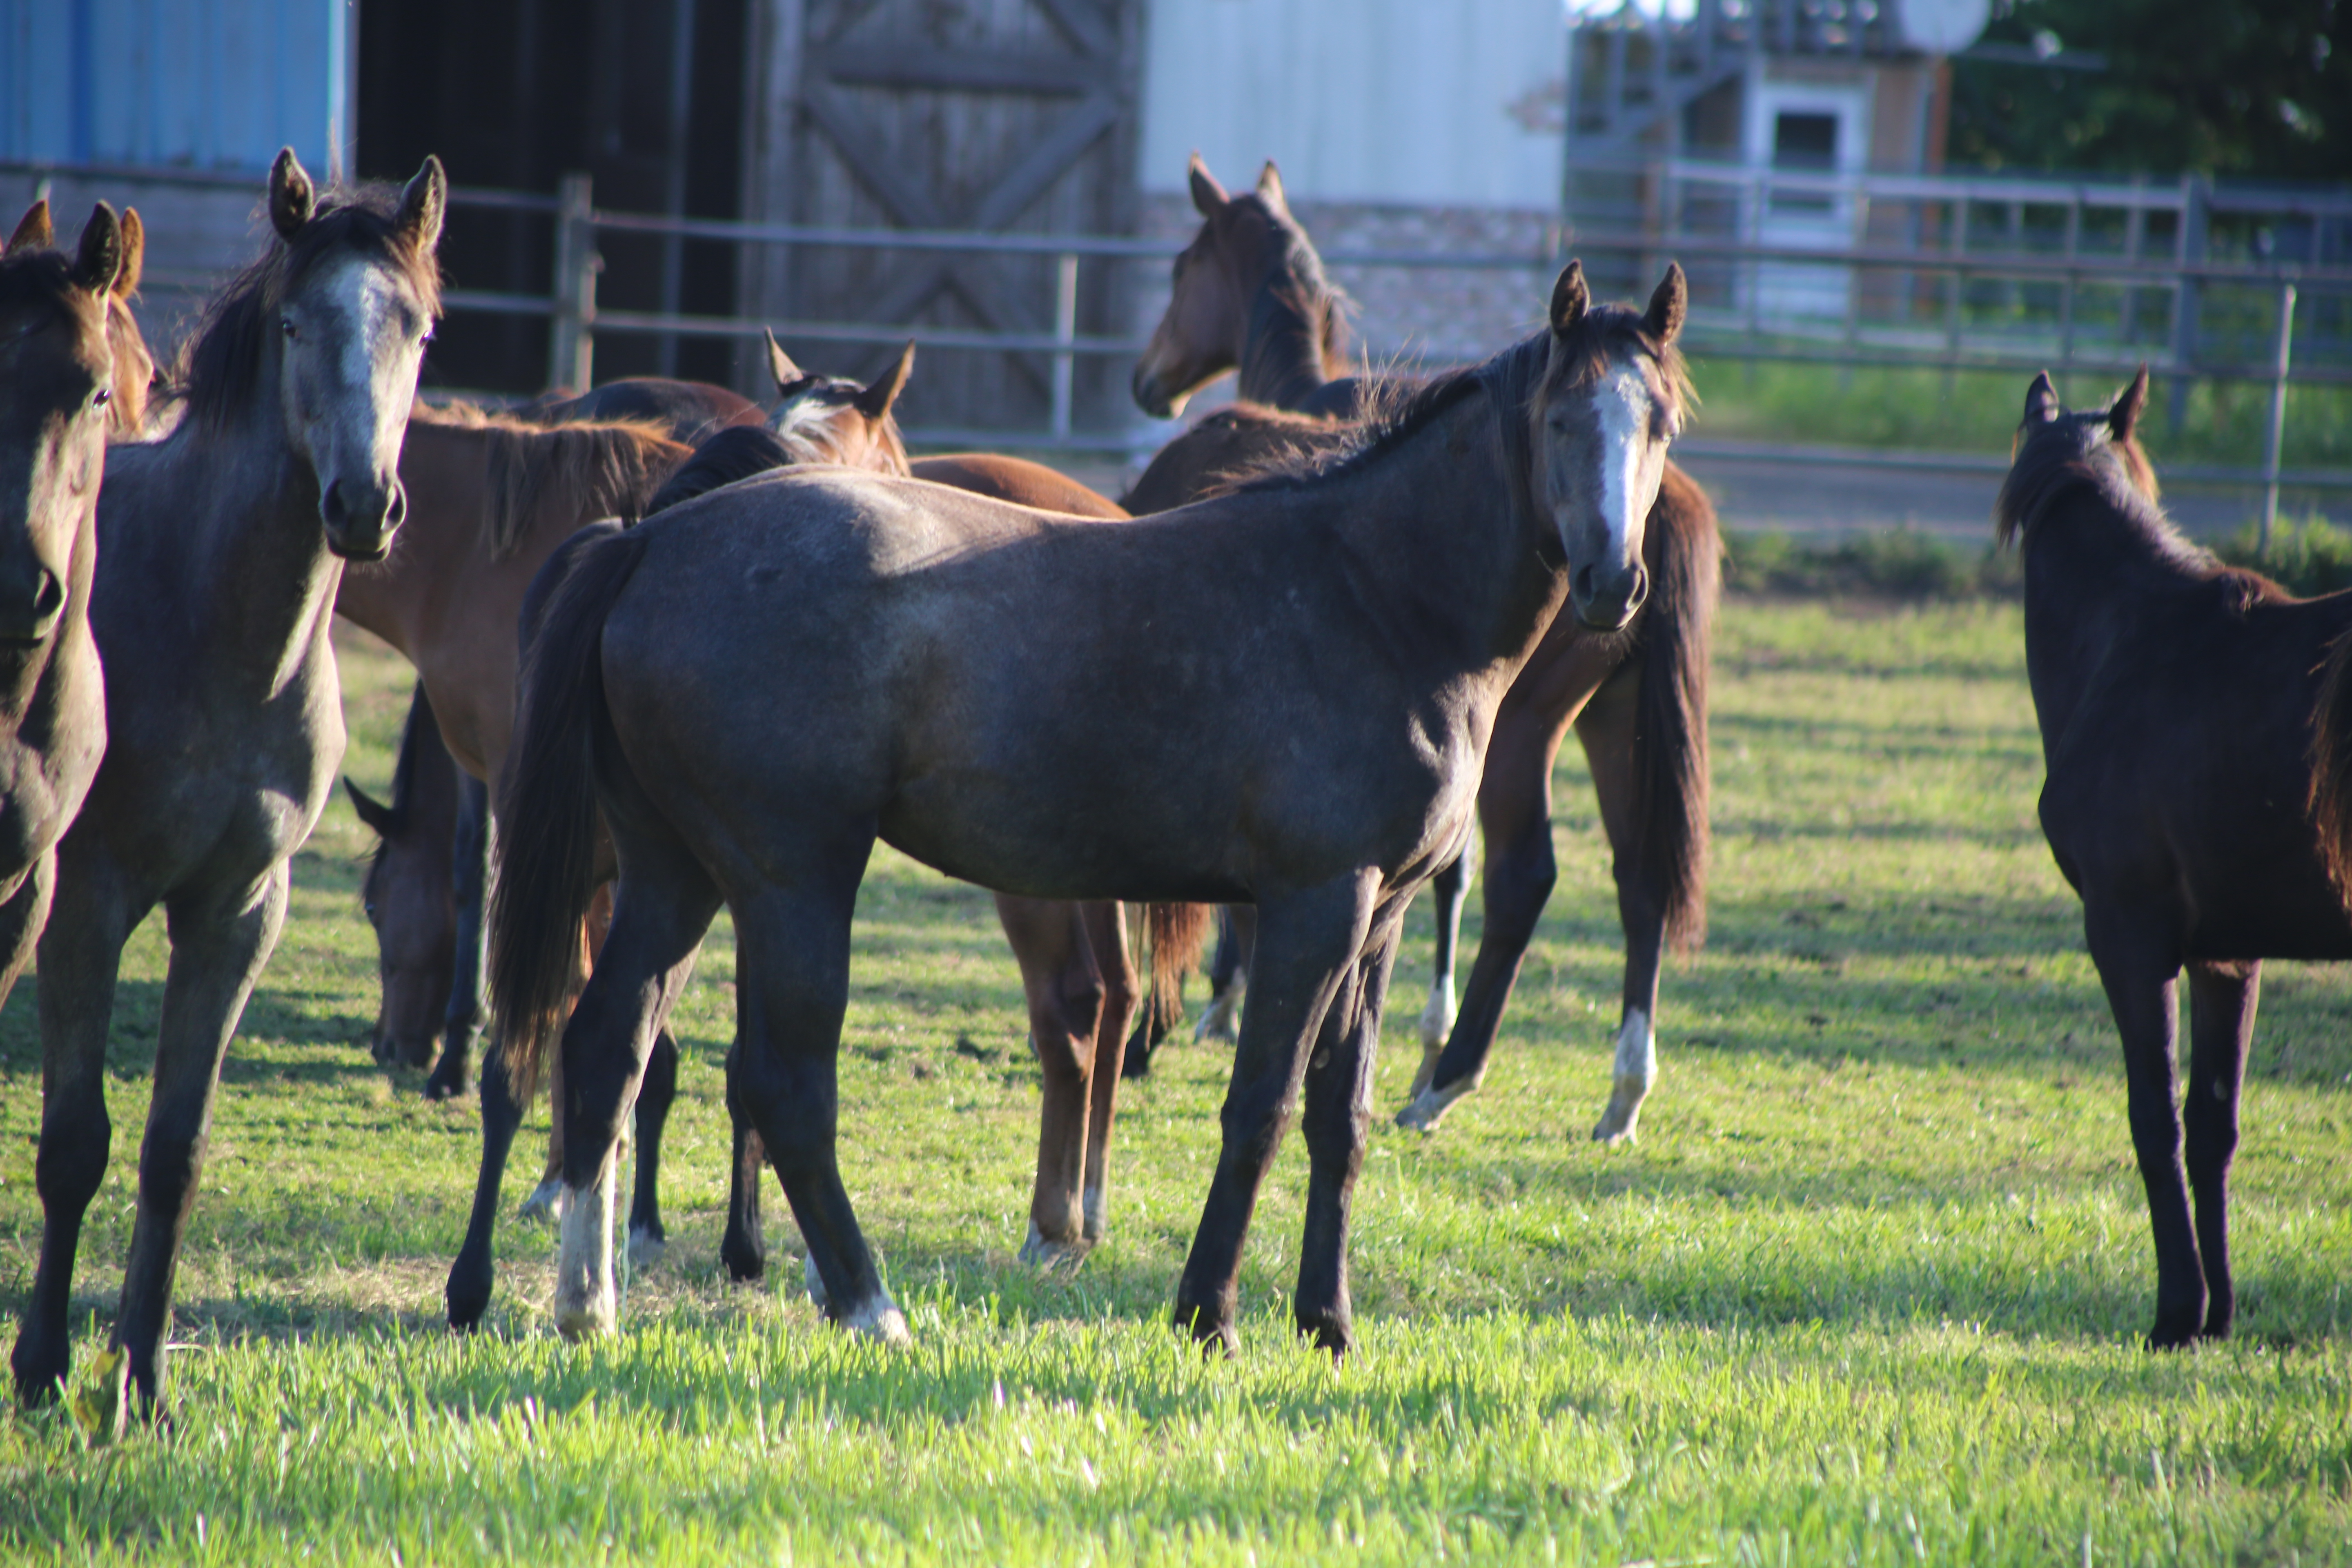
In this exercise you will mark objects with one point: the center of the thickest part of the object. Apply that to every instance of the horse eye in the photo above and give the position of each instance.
(370, 907)
(288, 328)
(99, 397)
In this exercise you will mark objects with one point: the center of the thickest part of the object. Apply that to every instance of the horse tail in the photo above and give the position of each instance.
(1177, 933)
(547, 797)
(2331, 763)
(1685, 557)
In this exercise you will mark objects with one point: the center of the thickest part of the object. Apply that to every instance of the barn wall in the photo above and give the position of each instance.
(210, 84)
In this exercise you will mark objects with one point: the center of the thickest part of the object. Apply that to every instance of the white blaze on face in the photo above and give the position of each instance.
(357, 316)
(1628, 474)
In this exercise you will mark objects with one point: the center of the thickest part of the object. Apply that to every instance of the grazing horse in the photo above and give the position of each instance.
(219, 550)
(1249, 290)
(60, 377)
(412, 890)
(2176, 698)
(752, 688)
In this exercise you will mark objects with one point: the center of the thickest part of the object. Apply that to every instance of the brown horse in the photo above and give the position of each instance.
(134, 365)
(62, 373)
(1249, 290)
(753, 687)
(219, 549)
(2176, 698)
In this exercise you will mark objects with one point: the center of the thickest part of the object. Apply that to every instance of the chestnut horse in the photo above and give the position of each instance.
(219, 549)
(1249, 290)
(752, 688)
(2176, 698)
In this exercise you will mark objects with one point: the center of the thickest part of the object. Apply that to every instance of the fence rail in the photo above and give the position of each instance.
(1932, 289)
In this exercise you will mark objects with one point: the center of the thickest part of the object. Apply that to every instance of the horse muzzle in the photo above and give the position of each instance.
(1606, 599)
(1152, 397)
(361, 519)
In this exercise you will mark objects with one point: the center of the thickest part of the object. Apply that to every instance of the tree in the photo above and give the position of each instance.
(2222, 87)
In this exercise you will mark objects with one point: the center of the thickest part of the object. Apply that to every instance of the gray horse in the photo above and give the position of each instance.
(754, 686)
(220, 547)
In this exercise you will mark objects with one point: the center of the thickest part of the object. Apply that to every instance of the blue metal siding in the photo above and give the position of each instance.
(203, 83)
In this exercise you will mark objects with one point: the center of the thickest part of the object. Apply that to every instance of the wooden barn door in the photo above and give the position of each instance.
(1006, 115)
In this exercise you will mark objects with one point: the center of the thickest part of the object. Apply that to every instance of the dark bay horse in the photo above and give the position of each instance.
(2176, 698)
(134, 365)
(752, 688)
(1249, 290)
(412, 890)
(219, 550)
(61, 373)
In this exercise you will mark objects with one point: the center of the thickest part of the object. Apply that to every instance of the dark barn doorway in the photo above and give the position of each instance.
(646, 96)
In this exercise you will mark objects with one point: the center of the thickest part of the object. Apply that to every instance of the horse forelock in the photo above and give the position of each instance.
(220, 365)
(1607, 337)
(602, 468)
(806, 426)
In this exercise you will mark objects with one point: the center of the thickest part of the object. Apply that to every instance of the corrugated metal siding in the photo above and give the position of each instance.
(203, 83)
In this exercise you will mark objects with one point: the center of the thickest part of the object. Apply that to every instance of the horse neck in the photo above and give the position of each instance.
(2090, 571)
(445, 471)
(247, 563)
(1283, 346)
(1431, 543)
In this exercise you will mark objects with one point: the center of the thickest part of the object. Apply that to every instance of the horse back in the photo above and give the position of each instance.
(1018, 480)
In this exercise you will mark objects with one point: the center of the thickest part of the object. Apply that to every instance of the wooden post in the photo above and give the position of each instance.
(571, 345)
(2276, 435)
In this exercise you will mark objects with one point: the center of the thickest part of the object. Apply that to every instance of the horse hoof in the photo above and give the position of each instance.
(590, 1318)
(1430, 1106)
(1214, 1335)
(546, 1201)
(646, 1247)
(1042, 1254)
(881, 1321)
(441, 1085)
(1331, 1331)
(467, 1301)
(1619, 1123)
(1221, 1019)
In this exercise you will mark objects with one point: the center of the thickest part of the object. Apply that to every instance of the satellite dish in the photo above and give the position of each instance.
(1941, 26)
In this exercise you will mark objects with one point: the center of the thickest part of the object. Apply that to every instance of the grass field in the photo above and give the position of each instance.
(1868, 1290)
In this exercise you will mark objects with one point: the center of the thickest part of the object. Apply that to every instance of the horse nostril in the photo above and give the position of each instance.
(1641, 590)
(50, 596)
(333, 507)
(397, 512)
(1583, 582)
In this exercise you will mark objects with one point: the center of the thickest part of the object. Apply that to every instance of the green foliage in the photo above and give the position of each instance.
(1867, 1290)
(2313, 556)
(1893, 562)
(2234, 86)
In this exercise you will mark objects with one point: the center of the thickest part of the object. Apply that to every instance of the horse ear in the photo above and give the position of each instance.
(424, 203)
(374, 811)
(2041, 401)
(33, 231)
(779, 363)
(134, 254)
(1569, 299)
(1208, 195)
(292, 198)
(876, 400)
(1668, 306)
(1269, 187)
(2130, 405)
(98, 260)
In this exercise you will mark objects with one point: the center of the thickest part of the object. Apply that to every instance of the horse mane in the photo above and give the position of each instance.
(220, 364)
(611, 467)
(1397, 406)
(412, 731)
(735, 453)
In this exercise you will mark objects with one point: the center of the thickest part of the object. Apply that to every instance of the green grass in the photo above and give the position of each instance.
(1977, 411)
(1869, 1289)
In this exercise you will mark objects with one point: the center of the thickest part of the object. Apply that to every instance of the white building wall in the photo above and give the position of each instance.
(1445, 103)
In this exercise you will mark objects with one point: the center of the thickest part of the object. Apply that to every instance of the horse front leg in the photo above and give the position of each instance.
(1307, 943)
(743, 1248)
(2221, 1000)
(81, 955)
(469, 854)
(22, 915)
(1064, 994)
(219, 945)
(2138, 964)
(472, 1273)
(1339, 1112)
(1105, 931)
(1608, 730)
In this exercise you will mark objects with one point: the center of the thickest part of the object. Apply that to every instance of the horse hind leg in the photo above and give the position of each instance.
(472, 1272)
(647, 1239)
(1339, 1099)
(646, 959)
(1607, 729)
(2221, 1001)
(1064, 991)
(792, 985)
(1451, 886)
(1106, 931)
(743, 1248)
